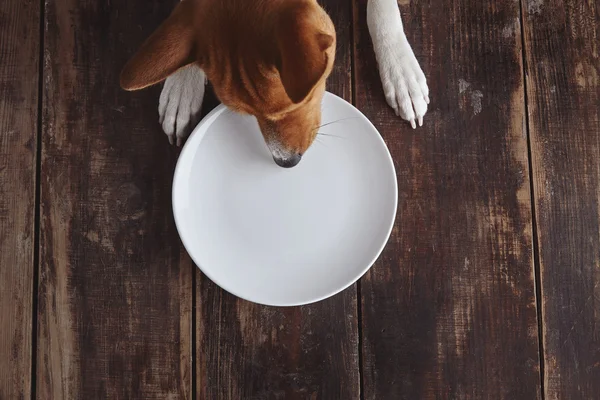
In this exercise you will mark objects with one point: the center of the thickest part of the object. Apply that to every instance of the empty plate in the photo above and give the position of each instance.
(279, 236)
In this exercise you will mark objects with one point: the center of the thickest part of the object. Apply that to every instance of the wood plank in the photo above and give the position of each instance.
(248, 351)
(449, 309)
(19, 55)
(563, 67)
(115, 290)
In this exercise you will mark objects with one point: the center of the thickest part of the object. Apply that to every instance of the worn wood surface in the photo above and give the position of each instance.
(563, 67)
(19, 60)
(115, 291)
(251, 352)
(449, 309)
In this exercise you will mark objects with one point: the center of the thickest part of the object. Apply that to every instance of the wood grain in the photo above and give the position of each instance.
(19, 61)
(563, 66)
(449, 309)
(115, 290)
(246, 351)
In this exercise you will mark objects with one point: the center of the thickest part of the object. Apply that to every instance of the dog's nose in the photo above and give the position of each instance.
(288, 162)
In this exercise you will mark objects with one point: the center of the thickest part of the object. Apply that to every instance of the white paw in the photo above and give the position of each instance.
(404, 83)
(181, 102)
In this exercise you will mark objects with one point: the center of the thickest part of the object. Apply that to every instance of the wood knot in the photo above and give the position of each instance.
(128, 202)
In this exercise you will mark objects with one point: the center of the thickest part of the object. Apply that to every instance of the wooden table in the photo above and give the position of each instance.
(488, 289)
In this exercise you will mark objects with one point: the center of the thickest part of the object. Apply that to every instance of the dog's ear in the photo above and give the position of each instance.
(168, 49)
(304, 54)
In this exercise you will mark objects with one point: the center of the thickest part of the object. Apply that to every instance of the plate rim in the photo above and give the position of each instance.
(177, 176)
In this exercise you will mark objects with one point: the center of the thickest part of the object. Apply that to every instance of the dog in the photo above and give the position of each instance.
(270, 59)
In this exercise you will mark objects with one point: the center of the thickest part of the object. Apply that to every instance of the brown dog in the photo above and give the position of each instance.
(268, 58)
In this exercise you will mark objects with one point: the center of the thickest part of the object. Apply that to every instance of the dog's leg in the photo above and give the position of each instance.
(403, 80)
(181, 102)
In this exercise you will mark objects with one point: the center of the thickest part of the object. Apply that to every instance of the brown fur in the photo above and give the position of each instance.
(268, 58)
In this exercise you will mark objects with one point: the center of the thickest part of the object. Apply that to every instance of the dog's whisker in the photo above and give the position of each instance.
(329, 134)
(336, 121)
(321, 142)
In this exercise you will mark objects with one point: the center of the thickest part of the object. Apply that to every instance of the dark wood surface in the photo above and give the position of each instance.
(449, 309)
(563, 67)
(115, 290)
(19, 61)
(498, 196)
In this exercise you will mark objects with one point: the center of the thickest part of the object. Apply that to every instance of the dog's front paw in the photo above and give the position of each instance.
(181, 102)
(404, 83)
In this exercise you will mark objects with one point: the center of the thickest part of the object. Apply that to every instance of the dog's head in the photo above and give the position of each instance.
(267, 58)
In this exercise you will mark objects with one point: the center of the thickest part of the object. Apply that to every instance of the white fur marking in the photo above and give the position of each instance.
(277, 150)
(404, 83)
(181, 102)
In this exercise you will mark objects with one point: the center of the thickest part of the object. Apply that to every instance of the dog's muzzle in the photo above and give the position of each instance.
(282, 157)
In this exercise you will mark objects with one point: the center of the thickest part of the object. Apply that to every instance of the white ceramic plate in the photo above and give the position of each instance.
(279, 236)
